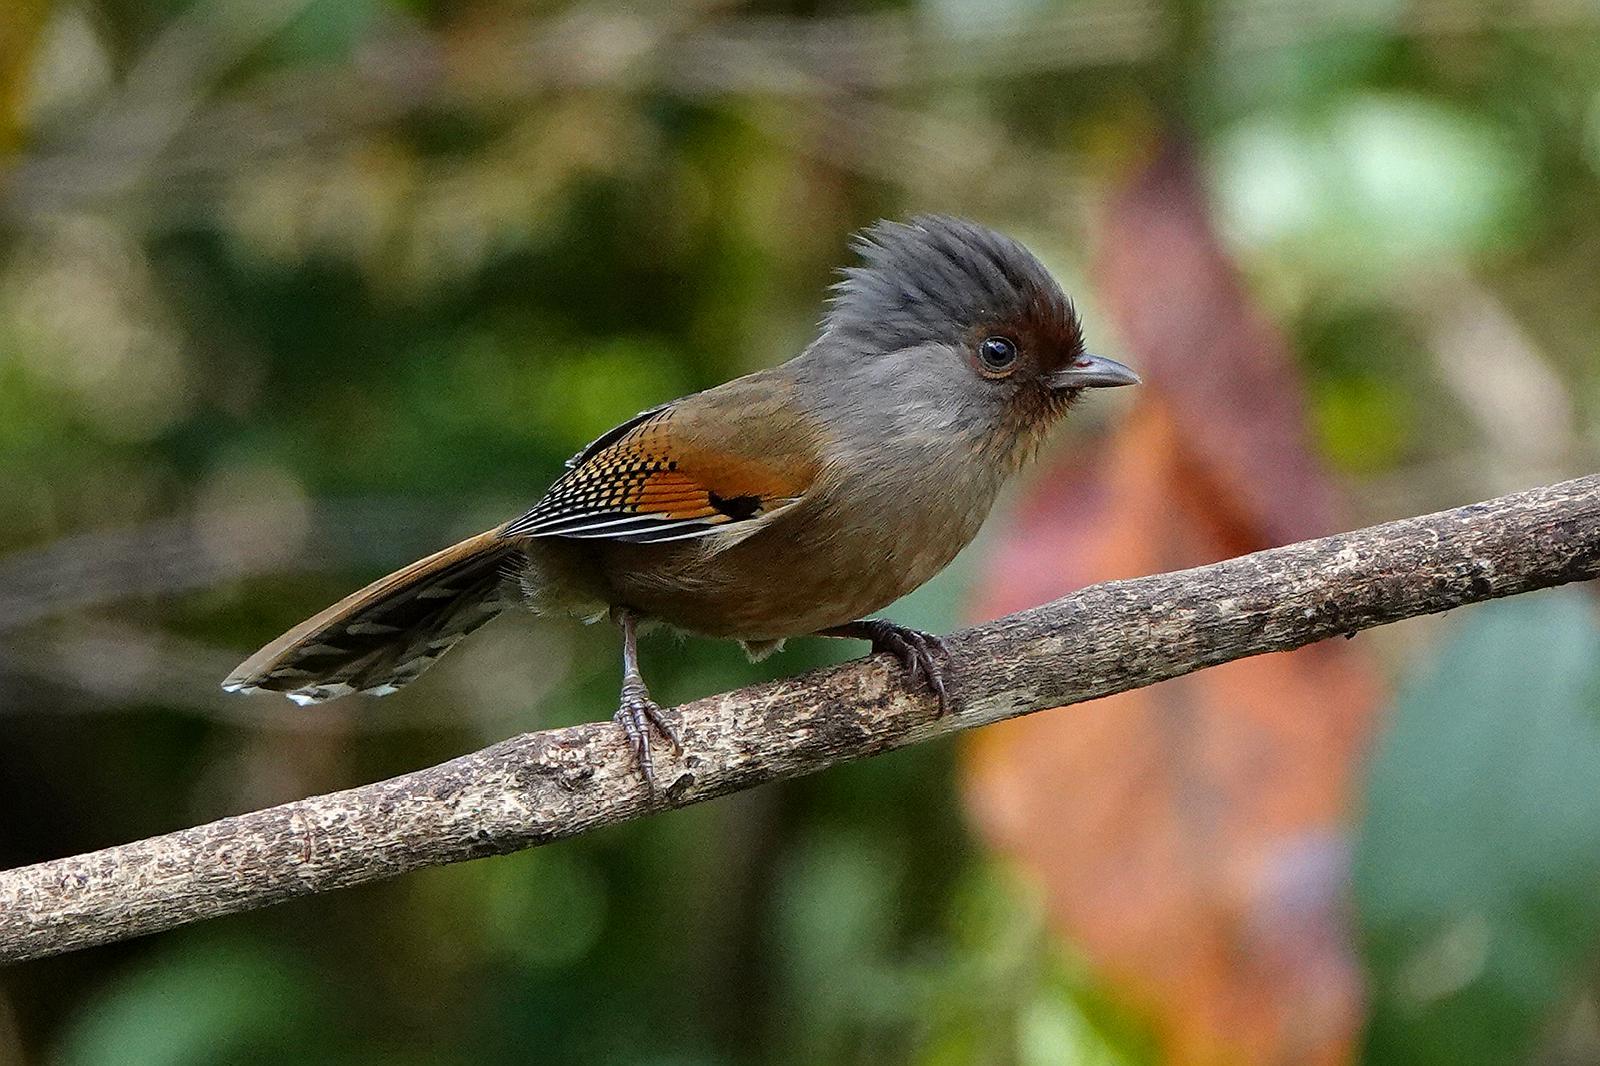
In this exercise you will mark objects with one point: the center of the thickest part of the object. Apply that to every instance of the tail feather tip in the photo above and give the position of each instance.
(310, 694)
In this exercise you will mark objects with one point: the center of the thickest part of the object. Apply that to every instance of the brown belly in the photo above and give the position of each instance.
(800, 573)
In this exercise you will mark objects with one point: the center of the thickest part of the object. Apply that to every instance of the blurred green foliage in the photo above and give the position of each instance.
(1478, 861)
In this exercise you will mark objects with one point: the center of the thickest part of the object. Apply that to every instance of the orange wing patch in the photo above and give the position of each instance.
(645, 483)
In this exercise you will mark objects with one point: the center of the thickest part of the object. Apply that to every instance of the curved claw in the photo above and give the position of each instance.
(939, 672)
(925, 656)
(913, 655)
(636, 715)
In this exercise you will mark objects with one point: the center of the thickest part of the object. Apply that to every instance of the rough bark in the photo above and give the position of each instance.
(540, 787)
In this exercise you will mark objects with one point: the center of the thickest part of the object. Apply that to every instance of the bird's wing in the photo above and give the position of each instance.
(684, 470)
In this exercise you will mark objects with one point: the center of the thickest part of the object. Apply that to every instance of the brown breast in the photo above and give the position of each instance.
(851, 547)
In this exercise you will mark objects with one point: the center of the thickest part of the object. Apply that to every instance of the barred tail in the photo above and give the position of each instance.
(385, 635)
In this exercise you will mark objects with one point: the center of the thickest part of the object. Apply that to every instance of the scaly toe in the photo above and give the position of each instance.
(658, 718)
(636, 715)
(934, 658)
(635, 722)
(940, 677)
(912, 657)
(925, 656)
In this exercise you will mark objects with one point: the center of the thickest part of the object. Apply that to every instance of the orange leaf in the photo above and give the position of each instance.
(1189, 835)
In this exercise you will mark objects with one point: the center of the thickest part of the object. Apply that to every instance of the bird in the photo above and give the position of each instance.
(795, 500)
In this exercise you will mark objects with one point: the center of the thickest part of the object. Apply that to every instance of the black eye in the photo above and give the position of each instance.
(997, 353)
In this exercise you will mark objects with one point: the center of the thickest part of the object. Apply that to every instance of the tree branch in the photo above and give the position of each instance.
(540, 787)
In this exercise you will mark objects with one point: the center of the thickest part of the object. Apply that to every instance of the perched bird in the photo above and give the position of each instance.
(791, 501)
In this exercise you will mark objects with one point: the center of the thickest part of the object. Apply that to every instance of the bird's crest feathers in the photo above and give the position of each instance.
(936, 278)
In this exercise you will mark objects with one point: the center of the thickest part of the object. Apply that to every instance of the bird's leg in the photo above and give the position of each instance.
(923, 654)
(638, 712)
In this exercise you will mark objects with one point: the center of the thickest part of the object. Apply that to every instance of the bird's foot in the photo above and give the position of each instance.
(924, 655)
(636, 715)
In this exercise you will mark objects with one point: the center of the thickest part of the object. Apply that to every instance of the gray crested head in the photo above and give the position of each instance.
(950, 335)
(937, 279)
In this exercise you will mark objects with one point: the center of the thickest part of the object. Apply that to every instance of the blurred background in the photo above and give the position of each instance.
(294, 291)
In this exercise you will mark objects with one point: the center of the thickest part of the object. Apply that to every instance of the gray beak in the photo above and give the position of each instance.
(1093, 372)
